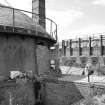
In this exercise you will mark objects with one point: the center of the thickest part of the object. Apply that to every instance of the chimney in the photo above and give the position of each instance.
(38, 7)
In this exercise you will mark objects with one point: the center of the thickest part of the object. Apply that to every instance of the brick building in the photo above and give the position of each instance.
(84, 50)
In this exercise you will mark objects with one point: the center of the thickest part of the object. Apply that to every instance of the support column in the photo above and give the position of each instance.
(80, 51)
(36, 63)
(101, 43)
(64, 47)
(71, 53)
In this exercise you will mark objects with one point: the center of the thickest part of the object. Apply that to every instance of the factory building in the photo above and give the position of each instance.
(83, 51)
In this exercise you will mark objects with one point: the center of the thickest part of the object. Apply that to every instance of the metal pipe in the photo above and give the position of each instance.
(36, 62)
(51, 28)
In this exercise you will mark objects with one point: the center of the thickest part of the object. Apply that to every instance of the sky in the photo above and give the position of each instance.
(75, 18)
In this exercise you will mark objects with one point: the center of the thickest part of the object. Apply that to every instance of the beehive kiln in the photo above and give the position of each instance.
(24, 47)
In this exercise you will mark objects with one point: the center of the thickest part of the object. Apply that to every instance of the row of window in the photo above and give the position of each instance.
(84, 42)
(81, 51)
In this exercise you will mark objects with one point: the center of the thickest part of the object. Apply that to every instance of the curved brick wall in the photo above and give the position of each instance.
(16, 53)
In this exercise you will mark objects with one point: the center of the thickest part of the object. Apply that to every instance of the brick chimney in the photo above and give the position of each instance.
(38, 7)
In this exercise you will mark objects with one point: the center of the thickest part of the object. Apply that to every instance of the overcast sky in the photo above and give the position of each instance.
(75, 18)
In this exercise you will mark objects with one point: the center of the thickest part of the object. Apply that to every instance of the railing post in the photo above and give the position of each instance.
(90, 49)
(79, 42)
(63, 47)
(56, 33)
(51, 29)
(13, 19)
(36, 23)
(101, 43)
(36, 61)
(55, 36)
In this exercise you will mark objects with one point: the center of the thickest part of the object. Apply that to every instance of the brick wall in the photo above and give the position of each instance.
(16, 53)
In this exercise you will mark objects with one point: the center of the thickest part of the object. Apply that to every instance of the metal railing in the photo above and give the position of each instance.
(27, 20)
